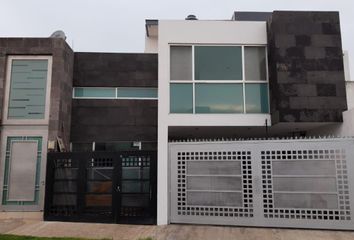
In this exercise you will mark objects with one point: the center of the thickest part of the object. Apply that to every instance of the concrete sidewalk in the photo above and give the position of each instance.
(169, 232)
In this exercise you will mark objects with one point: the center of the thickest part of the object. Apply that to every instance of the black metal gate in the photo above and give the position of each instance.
(112, 187)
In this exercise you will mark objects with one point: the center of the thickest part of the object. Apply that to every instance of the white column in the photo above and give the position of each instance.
(162, 175)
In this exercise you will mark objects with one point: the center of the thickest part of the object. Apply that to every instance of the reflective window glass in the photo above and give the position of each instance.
(218, 63)
(256, 98)
(92, 92)
(181, 62)
(255, 63)
(181, 98)
(133, 92)
(218, 98)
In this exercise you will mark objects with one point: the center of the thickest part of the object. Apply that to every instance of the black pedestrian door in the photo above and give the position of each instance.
(117, 187)
(135, 188)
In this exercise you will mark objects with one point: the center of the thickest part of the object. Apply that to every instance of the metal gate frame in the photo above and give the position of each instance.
(80, 161)
(257, 208)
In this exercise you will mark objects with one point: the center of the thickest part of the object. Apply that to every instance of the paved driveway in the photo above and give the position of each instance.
(169, 232)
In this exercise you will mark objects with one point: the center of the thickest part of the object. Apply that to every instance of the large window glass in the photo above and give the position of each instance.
(94, 92)
(181, 63)
(255, 63)
(218, 63)
(28, 86)
(134, 92)
(218, 98)
(256, 98)
(181, 98)
(226, 79)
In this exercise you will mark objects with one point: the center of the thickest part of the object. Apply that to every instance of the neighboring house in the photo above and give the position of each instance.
(256, 76)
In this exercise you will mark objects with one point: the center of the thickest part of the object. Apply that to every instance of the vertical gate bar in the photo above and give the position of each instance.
(116, 176)
(49, 182)
(81, 180)
(153, 182)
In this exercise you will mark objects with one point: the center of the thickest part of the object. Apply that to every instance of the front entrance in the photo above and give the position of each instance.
(116, 187)
(22, 163)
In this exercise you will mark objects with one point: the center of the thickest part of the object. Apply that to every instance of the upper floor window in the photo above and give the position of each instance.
(217, 63)
(218, 79)
(28, 84)
(143, 93)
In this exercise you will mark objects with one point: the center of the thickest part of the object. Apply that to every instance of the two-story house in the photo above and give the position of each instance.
(212, 124)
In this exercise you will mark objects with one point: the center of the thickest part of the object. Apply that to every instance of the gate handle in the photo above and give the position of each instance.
(118, 189)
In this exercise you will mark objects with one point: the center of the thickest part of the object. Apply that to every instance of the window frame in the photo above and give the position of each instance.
(193, 81)
(43, 121)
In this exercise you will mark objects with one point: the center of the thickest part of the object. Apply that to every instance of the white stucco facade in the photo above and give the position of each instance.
(189, 33)
(346, 66)
(350, 94)
(151, 44)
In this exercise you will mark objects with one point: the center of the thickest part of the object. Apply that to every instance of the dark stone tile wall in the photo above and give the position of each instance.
(114, 120)
(115, 69)
(62, 72)
(306, 74)
(60, 122)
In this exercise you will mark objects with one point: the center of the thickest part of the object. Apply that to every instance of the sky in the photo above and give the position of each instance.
(119, 26)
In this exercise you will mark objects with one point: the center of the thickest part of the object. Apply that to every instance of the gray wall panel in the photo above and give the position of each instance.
(306, 200)
(217, 168)
(216, 183)
(302, 167)
(305, 184)
(214, 199)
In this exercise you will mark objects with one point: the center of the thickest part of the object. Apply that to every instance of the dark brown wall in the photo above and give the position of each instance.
(306, 67)
(62, 71)
(114, 120)
(115, 69)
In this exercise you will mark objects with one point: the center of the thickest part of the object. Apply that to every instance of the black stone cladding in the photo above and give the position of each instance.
(306, 74)
(115, 69)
